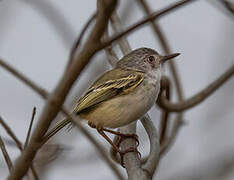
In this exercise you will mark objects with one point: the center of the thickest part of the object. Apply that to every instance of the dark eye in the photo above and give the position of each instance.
(151, 59)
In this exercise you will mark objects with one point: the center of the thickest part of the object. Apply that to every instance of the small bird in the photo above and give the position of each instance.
(123, 94)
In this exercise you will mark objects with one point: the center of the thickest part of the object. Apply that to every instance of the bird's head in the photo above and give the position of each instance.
(144, 59)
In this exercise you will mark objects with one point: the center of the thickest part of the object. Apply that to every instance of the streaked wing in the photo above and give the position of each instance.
(112, 83)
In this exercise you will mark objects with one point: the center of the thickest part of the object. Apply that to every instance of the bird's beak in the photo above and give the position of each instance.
(163, 59)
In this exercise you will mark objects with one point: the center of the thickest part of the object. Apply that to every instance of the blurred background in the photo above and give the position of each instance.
(36, 37)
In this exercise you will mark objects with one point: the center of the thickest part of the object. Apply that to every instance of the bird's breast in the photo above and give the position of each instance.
(124, 109)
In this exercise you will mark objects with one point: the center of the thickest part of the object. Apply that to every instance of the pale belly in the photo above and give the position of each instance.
(124, 109)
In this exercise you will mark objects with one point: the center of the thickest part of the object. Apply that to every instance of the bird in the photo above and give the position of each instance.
(122, 95)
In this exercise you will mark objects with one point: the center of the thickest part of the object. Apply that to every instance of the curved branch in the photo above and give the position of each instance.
(152, 161)
(199, 97)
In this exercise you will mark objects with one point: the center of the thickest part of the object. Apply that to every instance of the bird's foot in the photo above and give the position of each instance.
(125, 136)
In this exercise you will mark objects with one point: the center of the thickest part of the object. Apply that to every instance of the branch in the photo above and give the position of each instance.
(152, 161)
(11, 133)
(55, 101)
(5, 154)
(199, 97)
(228, 5)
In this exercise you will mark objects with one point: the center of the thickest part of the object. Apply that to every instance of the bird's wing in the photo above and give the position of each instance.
(112, 83)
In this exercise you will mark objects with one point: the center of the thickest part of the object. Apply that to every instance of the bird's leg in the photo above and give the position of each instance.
(116, 147)
(123, 136)
(121, 152)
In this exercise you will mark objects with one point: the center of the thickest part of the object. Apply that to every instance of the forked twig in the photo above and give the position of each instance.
(5, 154)
(17, 142)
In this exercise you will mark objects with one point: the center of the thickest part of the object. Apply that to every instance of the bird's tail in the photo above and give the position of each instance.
(55, 129)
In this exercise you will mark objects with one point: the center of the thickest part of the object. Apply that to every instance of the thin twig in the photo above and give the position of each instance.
(228, 5)
(6, 155)
(30, 127)
(17, 141)
(197, 98)
(220, 5)
(10, 132)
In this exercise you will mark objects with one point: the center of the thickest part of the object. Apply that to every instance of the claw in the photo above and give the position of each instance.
(124, 136)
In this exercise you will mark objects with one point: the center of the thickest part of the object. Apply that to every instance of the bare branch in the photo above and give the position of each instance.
(5, 154)
(228, 5)
(197, 98)
(152, 161)
(30, 128)
(57, 98)
(10, 132)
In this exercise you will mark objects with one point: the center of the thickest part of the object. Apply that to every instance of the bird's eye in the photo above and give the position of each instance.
(151, 59)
